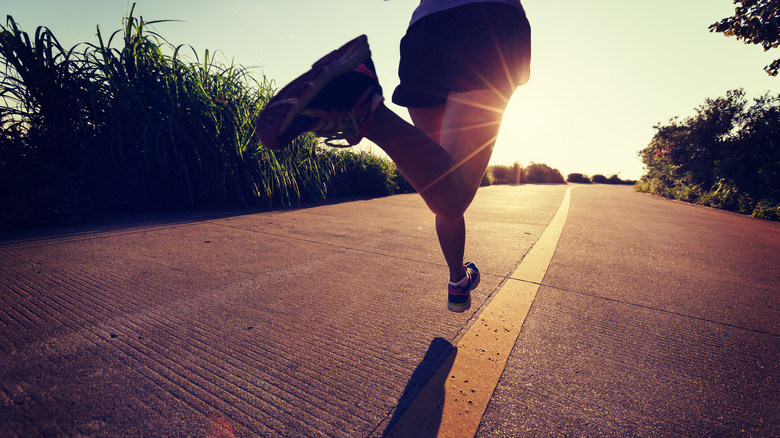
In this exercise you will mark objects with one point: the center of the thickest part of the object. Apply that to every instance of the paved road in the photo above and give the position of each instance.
(655, 317)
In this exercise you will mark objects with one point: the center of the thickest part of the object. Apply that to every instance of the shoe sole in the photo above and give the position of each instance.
(282, 109)
(459, 307)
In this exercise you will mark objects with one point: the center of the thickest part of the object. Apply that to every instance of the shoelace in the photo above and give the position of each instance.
(336, 125)
(333, 125)
(349, 128)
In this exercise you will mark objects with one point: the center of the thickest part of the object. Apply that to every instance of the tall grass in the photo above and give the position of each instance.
(130, 123)
(45, 93)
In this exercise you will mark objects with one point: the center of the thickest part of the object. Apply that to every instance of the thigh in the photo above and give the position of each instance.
(428, 120)
(469, 128)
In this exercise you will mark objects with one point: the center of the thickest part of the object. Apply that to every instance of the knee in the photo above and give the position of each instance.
(449, 199)
(450, 215)
(453, 209)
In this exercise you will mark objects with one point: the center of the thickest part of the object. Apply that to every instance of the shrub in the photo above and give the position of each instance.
(726, 156)
(767, 209)
(503, 174)
(360, 174)
(542, 173)
(578, 178)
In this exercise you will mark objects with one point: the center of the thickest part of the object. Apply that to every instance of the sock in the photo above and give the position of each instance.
(461, 283)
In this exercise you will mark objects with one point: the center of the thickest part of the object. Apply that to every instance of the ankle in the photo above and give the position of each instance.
(459, 278)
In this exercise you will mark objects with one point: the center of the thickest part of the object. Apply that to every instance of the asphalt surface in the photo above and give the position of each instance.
(654, 318)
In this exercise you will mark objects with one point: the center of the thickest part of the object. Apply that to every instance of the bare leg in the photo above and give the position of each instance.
(447, 173)
(452, 239)
(466, 127)
(426, 165)
(451, 232)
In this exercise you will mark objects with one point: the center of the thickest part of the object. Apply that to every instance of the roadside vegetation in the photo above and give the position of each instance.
(726, 156)
(579, 178)
(534, 173)
(133, 123)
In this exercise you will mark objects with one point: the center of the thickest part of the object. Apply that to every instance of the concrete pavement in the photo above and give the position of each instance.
(655, 317)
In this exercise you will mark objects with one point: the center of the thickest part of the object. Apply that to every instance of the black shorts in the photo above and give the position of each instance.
(472, 47)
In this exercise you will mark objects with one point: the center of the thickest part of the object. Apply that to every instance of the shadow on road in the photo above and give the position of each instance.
(424, 416)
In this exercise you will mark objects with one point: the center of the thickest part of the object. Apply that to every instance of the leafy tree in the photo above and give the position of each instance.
(754, 22)
(727, 155)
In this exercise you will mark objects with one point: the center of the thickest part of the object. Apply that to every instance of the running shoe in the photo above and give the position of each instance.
(335, 99)
(459, 298)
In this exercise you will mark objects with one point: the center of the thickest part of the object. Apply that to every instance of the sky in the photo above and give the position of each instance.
(603, 72)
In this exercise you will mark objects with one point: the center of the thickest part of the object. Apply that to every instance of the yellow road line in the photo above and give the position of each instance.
(452, 403)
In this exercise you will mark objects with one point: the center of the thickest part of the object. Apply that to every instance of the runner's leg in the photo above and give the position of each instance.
(463, 126)
(425, 164)
(451, 233)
